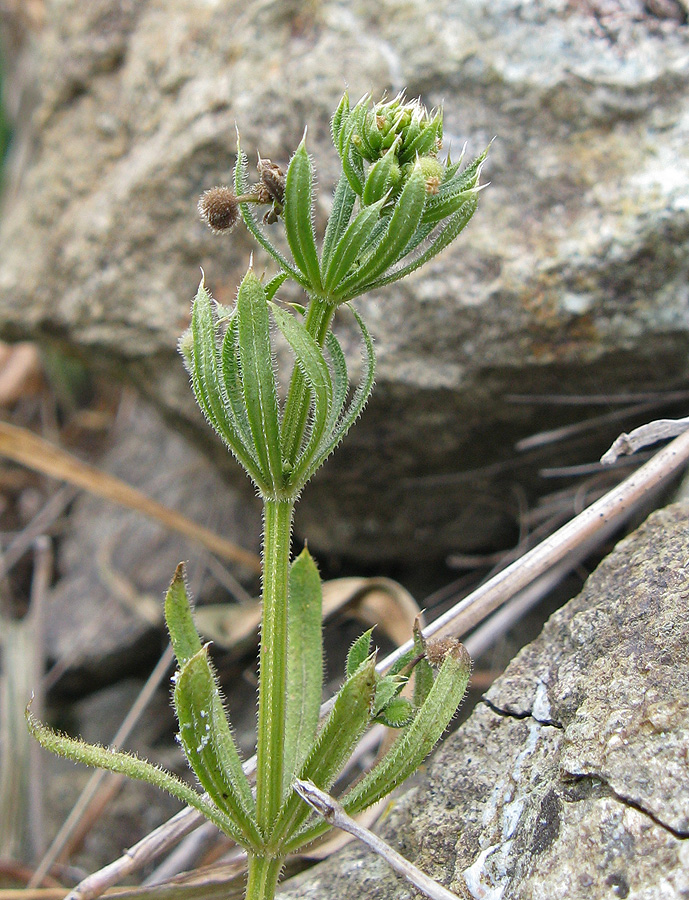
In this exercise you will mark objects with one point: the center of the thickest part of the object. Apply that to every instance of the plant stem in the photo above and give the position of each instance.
(277, 528)
(264, 872)
(319, 315)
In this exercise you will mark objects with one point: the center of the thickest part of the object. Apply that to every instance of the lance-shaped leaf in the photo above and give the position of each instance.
(400, 229)
(351, 245)
(240, 188)
(450, 229)
(133, 767)
(337, 738)
(180, 620)
(339, 119)
(358, 652)
(332, 437)
(381, 176)
(304, 662)
(298, 215)
(409, 750)
(311, 362)
(417, 741)
(209, 746)
(258, 377)
(232, 380)
(423, 671)
(340, 214)
(207, 383)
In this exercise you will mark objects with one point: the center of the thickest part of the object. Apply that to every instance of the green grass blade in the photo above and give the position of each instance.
(209, 746)
(133, 767)
(337, 738)
(298, 216)
(304, 662)
(258, 377)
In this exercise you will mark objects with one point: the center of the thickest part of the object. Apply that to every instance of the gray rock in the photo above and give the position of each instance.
(571, 780)
(572, 276)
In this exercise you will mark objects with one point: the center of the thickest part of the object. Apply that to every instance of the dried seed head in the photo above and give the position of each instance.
(219, 208)
(437, 651)
(273, 179)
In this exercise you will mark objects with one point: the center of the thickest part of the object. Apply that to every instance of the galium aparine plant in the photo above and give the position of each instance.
(396, 206)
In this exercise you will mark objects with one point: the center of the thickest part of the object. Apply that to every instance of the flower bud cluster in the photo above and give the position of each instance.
(391, 138)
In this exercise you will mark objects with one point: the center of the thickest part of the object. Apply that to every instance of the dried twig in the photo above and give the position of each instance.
(332, 812)
(640, 437)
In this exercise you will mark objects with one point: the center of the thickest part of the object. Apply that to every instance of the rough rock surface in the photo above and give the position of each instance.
(571, 781)
(572, 278)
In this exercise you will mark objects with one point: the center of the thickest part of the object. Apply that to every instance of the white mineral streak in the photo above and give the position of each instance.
(489, 875)
(541, 705)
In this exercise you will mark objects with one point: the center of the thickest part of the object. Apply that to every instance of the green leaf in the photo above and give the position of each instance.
(337, 738)
(133, 767)
(449, 232)
(417, 741)
(409, 750)
(209, 746)
(258, 377)
(304, 662)
(333, 437)
(251, 222)
(387, 688)
(232, 381)
(179, 618)
(207, 385)
(339, 119)
(396, 714)
(298, 213)
(340, 214)
(352, 163)
(312, 364)
(275, 284)
(403, 223)
(380, 177)
(351, 244)
(423, 671)
(445, 203)
(423, 143)
(358, 652)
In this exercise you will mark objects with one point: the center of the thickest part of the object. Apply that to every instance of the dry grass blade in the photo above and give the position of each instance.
(613, 508)
(24, 447)
(374, 601)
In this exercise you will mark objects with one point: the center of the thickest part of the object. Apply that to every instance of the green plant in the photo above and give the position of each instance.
(395, 207)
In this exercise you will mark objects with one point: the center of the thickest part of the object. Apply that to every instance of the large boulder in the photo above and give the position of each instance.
(572, 277)
(571, 780)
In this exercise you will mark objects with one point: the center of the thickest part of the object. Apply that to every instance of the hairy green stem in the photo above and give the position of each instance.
(277, 528)
(264, 872)
(319, 315)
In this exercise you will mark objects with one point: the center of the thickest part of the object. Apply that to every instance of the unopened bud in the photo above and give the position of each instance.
(219, 208)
